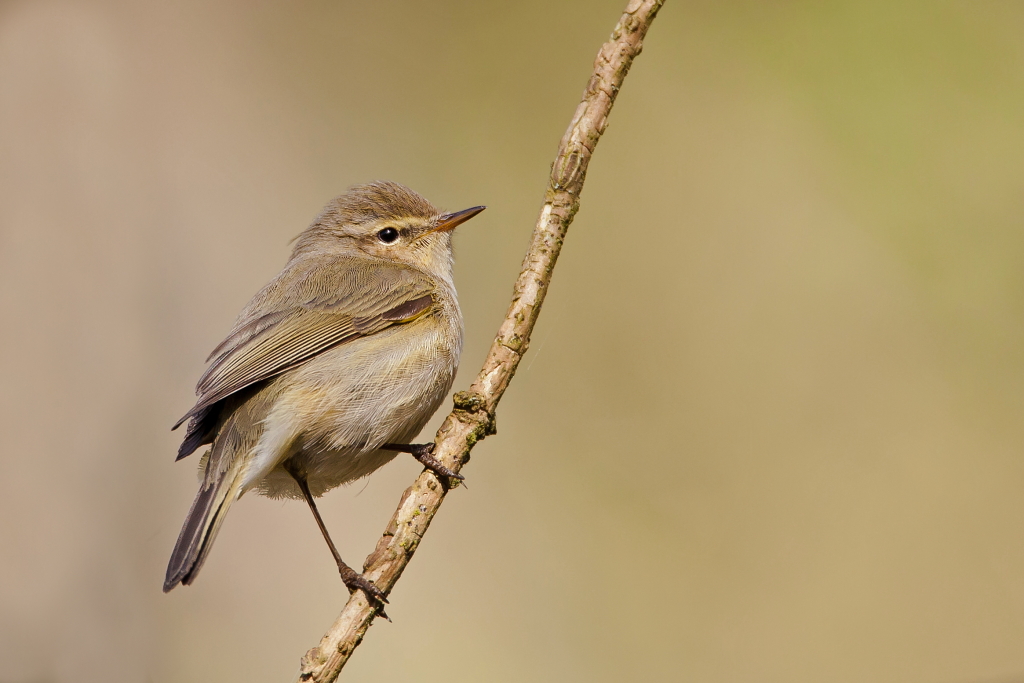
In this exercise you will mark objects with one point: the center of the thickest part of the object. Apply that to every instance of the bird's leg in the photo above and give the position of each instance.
(424, 452)
(353, 579)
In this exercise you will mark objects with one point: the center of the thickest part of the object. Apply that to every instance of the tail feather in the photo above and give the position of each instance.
(221, 470)
(201, 526)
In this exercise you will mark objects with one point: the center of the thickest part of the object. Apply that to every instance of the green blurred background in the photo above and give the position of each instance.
(770, 426)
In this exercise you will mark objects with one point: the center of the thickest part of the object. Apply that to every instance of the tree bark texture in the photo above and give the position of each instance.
(473, 416)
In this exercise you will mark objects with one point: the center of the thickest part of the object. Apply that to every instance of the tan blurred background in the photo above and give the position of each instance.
(770, 425)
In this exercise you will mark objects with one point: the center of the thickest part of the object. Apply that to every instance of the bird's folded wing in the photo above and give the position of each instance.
(310, 307)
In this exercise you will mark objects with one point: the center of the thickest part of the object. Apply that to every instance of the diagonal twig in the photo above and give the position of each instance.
(473, 416)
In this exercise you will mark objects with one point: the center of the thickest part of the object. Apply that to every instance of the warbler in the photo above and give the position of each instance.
(331, 368)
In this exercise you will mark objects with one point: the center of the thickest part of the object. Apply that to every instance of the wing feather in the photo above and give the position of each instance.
(309, 308)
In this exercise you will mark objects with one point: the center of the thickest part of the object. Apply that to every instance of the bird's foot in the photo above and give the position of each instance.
(355, 581)
(424, 453)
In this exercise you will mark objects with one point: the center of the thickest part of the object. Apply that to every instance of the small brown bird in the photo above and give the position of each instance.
(332, 367)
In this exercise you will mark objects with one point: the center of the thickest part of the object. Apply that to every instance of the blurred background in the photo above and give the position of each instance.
(769, 428)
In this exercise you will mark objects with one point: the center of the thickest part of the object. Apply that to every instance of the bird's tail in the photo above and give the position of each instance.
(216, 493)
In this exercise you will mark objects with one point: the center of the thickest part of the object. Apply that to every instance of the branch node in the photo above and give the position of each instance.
(471, 409)
(311, 659)
(469, 401)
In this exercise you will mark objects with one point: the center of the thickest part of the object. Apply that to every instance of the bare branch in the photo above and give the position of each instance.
(473, 416)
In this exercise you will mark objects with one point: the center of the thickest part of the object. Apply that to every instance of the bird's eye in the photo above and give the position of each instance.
(387, 235)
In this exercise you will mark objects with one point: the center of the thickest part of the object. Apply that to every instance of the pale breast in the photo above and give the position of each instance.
(334, 411)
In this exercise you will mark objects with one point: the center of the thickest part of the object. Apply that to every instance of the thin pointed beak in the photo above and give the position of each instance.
(450, 221)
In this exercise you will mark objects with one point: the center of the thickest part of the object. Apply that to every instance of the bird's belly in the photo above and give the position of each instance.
(333, 412)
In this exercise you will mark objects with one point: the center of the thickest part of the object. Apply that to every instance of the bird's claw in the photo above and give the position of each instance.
(424, 453)
(355, 581)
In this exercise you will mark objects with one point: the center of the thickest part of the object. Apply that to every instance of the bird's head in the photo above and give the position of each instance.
(387, 221)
